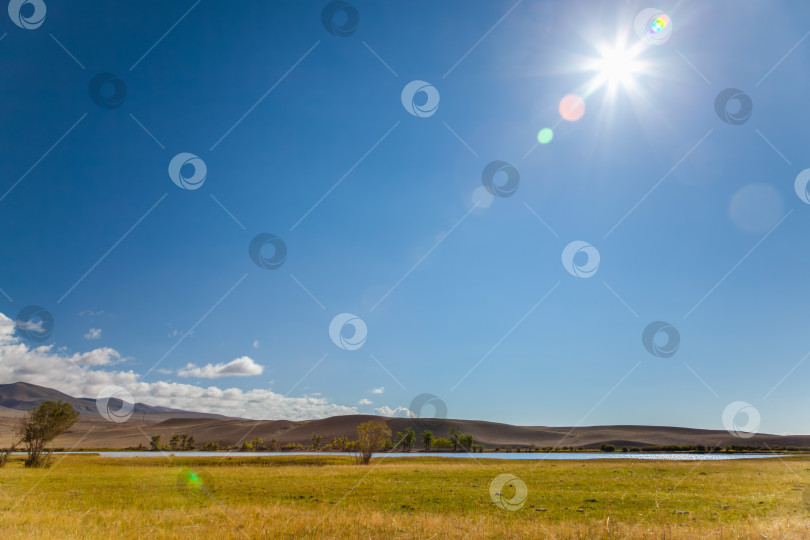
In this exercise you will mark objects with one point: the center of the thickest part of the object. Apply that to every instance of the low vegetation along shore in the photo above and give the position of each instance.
(329, 496)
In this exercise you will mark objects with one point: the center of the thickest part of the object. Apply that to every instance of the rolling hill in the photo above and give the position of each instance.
(93, 431)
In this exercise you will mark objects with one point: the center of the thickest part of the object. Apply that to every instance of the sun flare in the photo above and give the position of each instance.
(617, 66)
(614, 66)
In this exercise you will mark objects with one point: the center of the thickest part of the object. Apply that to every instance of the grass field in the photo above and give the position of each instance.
(330, 496)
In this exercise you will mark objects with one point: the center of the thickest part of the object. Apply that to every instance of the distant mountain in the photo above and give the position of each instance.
(93, 431)
(23, 396)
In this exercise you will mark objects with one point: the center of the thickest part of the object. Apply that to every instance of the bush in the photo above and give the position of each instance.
(339, 444)
(607, 448)
(291, 447)
(441, 442)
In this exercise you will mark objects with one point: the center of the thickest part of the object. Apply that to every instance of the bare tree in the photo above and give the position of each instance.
(409, 440)
(427, 439)
(6, 452)
(44, 424)
(371, 438)
(154, 444)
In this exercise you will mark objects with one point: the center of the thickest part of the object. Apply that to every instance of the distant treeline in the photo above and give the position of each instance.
(403, 441)
(455, 441)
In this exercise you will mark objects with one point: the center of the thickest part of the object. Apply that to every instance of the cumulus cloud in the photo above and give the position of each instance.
(93, 333)
(379, 390)
(32, 327)
(385, 410)
(239, 367)
(78, 375)
(364, 401)
(105, 356)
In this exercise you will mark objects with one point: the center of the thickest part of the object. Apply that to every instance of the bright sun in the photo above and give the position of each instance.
(614, 66)
(617, 66)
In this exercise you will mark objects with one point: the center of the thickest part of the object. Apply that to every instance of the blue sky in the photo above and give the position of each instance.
(702, 245)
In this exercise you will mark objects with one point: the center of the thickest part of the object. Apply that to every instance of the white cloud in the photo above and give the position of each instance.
(91, 313)
(75, 375)
(364, 401)
(239, 367)
(165, 371)
(255, 343)
(34, 327)
(385, 410)
(97, 357)
(379, 390)
(93, 333)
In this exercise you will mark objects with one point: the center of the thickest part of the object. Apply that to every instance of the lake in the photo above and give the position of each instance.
(457, 455)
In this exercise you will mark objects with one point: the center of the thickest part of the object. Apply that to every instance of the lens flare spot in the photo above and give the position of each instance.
(545, 135)
(756, 208)
(191, 484)
(658, 25)
(572, 107)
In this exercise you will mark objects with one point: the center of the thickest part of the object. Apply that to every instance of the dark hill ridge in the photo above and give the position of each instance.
(23, 396)
(93, 431)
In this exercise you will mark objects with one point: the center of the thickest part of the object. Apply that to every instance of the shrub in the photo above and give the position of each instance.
(441, 442)
(291, 447)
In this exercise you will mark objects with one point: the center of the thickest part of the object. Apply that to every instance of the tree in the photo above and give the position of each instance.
(371, 438)
(258, 444)
(441, 442)
(453, 437)
(210, 447)
(6, 452)
(316, 441)
(409, 440)
(44, 423)
(154, 444)
(607, 448)
(190, 443)
(174, 442)
(466, 441)
(340, 444)
(427, 439)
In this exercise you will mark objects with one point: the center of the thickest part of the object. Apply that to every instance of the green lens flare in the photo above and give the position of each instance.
(190, 483)
(545, 136)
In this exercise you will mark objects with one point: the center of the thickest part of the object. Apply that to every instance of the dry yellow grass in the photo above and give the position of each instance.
(90, 497)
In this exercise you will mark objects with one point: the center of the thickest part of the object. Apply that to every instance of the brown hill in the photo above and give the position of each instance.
(22, 396)
(93, 431)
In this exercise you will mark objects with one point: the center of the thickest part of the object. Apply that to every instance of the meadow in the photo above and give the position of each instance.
(85, 496)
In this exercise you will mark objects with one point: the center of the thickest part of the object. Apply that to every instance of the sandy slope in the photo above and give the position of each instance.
(94, 431)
